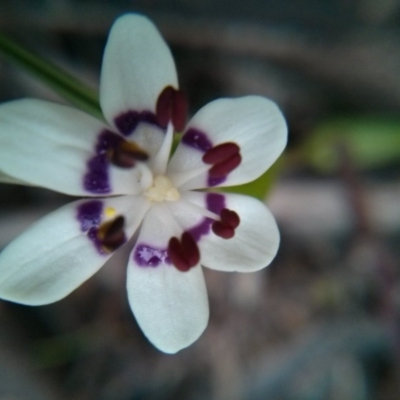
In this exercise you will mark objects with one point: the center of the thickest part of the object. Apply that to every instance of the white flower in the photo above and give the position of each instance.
(124, 168)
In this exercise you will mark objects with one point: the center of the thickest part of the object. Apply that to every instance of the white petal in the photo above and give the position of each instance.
(57, 147)
(170, 306)
(56, 255)
(254, 123)
(256, 239)
(137, 66)
(150, 138)
(4, 178)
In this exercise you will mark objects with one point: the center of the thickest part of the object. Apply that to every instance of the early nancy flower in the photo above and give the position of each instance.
(123, 171)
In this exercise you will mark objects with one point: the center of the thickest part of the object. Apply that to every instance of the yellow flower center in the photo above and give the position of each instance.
(162, 190)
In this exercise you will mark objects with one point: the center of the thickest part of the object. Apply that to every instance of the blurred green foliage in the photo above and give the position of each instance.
(370, 141)
(66, 85)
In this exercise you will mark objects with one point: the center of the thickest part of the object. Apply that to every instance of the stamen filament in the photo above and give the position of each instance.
(180, 178)
(160, 160)
(200, 210)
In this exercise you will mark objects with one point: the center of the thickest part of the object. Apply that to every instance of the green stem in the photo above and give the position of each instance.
(62, 82)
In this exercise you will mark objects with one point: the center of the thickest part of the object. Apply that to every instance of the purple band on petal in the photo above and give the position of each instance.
(128, 121)
(215, 202)
(203, 228)
(89, 214)
(89, 217)
(197, 139)
(200, 141)
(149, 256)
(97, 179)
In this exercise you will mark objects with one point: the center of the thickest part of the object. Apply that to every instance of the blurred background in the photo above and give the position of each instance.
(322, 321)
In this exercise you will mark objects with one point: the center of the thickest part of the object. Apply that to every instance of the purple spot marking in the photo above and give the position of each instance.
(89, 216)
(128, 121)
(96, 179)
(149, 256)
(197, 139)
(215, 202)
(215, 181)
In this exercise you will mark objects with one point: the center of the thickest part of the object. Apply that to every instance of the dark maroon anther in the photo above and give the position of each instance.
(223, 168)
(222, 230)
(184, 254)
(221, 153)
(172, 106)
(225, 228)
(224, 158)
(190, 249)
(177, 255)
(164, 106)
(111, 234)
(230, 218)
(126, 154)
(179, 110)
